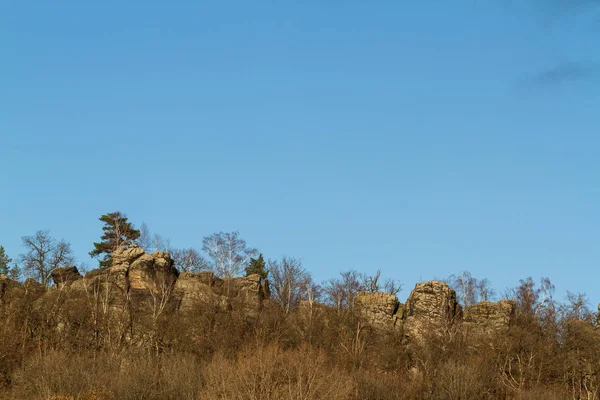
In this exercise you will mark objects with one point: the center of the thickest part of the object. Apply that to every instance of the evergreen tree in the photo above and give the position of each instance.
(4, 261)
(257, 266)
(117, 232)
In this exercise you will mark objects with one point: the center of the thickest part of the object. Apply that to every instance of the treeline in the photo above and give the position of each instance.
(307, 343)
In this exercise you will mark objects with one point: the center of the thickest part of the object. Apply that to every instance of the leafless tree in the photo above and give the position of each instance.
(228, 253)
(341, 292)
(145, 239)
(44, 253)
(373, 284)
(160, 243)
(577, 308)
(290, 282)
(188, 260)
(469, 289)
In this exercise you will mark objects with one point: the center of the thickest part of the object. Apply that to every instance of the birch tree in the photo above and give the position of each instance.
(228, 254)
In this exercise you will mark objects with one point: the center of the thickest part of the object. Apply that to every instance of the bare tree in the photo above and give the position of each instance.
(290, 283)
(44, 253)
(392, 286)
(373, 284)
(145, 239)
(160, 243)
(470, 290)
(577, 308)
(341, 292)
(228, 253)
(188, 260)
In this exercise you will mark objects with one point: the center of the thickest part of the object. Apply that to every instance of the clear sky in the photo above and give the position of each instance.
(423, 138)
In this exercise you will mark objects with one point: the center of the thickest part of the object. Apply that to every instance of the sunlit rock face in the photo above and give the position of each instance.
(431, 307)
(380, 310)
(487, 318)
(244, 294)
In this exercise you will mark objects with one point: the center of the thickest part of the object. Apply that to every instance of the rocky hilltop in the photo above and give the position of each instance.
(148, 284)
(431, 308)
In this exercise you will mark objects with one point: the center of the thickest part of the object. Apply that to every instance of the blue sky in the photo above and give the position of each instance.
(422, 138)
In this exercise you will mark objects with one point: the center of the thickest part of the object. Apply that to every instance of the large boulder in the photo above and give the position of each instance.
(487, 318)
(197, 289)
(431, 307)
(154, 271)
(65, 276)
(126, 254)
(380, 310)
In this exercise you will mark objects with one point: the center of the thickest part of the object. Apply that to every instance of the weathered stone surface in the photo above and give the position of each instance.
(197, 289)
(126, 254)
(488, 317)
(380, 310)
(430, 307)
(64, 276)
(113, 277)
(152, 272)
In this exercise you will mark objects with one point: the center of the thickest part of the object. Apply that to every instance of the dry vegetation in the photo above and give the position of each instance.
(66, 350)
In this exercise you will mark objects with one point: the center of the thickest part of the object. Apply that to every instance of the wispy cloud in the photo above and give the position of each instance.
(563, 73)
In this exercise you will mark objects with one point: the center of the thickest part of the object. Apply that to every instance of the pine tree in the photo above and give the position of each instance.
(117, 232)
(5, 260)
(257, 266)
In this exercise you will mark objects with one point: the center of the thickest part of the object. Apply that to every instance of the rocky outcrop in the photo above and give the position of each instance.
(380, 310)
(486, 318)
(134, 271)
(204, 288)
(431, 307)
(64, 276)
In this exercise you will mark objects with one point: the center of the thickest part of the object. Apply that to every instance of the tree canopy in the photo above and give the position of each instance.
(257, 266)
(5, 261)
(118, 231)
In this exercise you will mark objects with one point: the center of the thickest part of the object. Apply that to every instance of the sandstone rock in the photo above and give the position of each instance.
(126, 254)
(113, 277)
(152, 271)
(431, 307)
(64, 276)
(486, 318)
(195, 290)
(380, 310)
(244, 294)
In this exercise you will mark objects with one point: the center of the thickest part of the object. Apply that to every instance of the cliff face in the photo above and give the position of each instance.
(486, 318)
(244, 294)
(381, 310)
(431, 308)
(136, 283)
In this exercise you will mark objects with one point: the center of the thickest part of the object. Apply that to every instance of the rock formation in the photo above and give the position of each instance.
(486, 318)
(135, 275)
(431, 306)
(204, 288)
(65, 276)
(380, 310)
